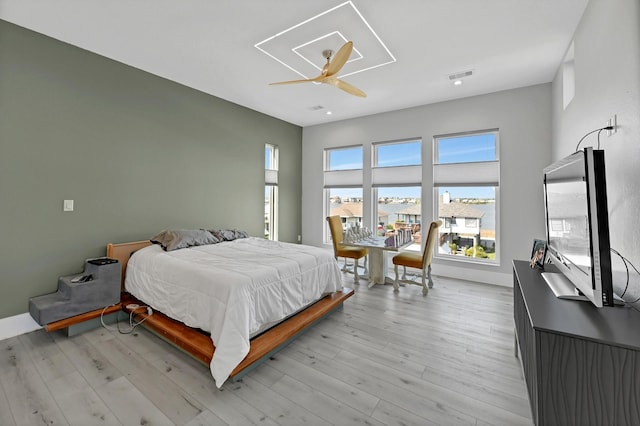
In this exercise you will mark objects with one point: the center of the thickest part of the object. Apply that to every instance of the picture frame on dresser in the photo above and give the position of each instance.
(538, 254)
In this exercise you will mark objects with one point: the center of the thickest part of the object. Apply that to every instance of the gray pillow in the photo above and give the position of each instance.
(228, 234)
(181, 238)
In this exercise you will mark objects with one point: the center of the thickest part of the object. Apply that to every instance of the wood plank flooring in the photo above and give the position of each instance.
(385, 359)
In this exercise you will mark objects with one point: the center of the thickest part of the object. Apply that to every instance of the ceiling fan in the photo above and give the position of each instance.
(330, 69)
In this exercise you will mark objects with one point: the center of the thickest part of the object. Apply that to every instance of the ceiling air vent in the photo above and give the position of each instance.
(459, 75)
(316, 108)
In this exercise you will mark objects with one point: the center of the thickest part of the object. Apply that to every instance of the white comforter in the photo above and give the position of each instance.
(232, 289)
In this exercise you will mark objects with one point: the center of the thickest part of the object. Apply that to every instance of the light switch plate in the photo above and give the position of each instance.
(68, 206)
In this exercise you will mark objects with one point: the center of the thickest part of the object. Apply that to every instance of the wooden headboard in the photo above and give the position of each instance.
(122, 252)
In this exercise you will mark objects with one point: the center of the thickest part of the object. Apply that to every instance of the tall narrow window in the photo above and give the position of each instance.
(466, 175)
(271, 192)
(396, 177)
(568, 77)
(343, 185)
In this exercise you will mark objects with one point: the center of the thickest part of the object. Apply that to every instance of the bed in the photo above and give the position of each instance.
(233, 303)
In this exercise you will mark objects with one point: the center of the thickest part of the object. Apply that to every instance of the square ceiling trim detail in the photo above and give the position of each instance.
(300, 47)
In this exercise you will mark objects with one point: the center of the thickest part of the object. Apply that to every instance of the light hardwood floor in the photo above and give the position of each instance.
(385, 359)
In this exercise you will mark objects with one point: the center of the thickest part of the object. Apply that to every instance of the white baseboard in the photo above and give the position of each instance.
(487, 277)
(16, 325)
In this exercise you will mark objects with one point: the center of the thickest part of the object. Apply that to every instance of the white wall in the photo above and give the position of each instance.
(523, 117)
(607, 75)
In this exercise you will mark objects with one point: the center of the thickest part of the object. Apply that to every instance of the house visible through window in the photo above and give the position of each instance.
(466, 174)
(271, 192)
(343, 186)
(396, 177)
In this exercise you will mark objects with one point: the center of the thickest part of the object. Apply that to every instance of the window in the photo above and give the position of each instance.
(396, 177)
(393, 154)
(345, 158)
(346, 203)
(271, 192)
(343, 185)
(466, 174)
(568, 77)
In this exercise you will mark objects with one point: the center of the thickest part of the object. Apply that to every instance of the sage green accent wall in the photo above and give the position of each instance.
(137, 153)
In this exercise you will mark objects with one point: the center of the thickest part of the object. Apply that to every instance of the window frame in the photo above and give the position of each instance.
(398, 175)
(340, 178)
(401, 176)
(488, 173)
(271, 185)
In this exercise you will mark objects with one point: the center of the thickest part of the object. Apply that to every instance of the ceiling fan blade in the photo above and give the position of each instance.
(308, 80)
(288, 82)
(349, 88)
(329, 71)
(340, 58)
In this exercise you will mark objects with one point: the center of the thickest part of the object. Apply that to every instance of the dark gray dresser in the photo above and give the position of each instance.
(581, 364)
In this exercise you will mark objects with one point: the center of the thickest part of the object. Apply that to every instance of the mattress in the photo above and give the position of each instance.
(232, 289)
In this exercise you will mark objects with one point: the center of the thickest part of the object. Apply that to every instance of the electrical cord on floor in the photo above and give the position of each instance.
(132, 323)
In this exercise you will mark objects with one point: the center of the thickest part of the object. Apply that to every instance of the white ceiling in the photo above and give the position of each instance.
(210, 46)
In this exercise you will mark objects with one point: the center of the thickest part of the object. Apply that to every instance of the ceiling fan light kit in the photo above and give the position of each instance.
(330, 71)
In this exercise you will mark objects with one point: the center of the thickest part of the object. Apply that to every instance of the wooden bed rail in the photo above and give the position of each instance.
(199, 345)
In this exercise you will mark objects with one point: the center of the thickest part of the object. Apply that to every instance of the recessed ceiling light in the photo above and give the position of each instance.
(457, 83)
(328, 113)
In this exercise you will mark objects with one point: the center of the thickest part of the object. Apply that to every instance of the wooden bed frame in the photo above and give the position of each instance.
(198, 343)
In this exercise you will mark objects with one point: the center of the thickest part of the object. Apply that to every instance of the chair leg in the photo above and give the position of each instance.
(346, 267)
(366, 268)
(396, 284)
(429, 275)
(425, 289)
(404, 272)
(356, 277)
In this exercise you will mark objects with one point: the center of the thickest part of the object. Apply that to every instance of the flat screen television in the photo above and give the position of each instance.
(577, 220)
